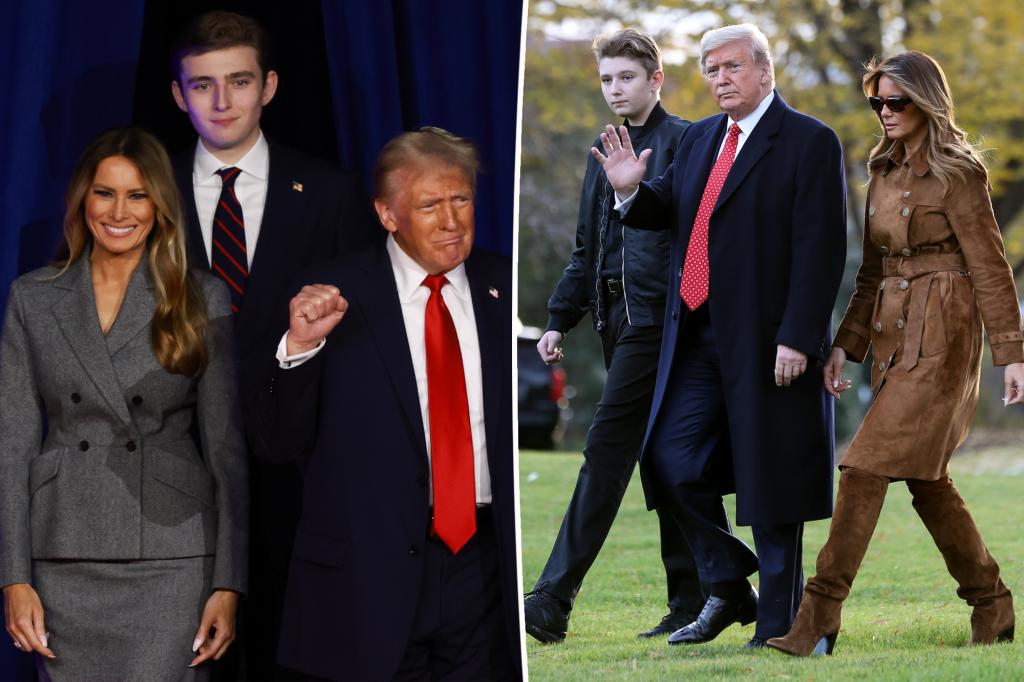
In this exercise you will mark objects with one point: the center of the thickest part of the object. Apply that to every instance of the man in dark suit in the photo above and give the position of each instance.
(256, 213)
(394, 390)
(757, 196)
(620, 275)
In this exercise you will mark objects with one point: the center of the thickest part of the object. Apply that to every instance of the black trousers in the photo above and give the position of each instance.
(610, 455)
(689, 448)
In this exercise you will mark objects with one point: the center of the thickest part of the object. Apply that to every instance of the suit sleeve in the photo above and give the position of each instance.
(21, 430)
(817, 246)
(570, 300)
(223, 442)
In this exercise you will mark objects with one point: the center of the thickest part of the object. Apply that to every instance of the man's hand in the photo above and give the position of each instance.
(789, 364)
(549, 347)
(834, 381)
(314, 312)
(622, 166)
(218, 614)
(24, 620)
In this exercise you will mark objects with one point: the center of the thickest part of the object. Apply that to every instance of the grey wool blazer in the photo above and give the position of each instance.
(98, 460)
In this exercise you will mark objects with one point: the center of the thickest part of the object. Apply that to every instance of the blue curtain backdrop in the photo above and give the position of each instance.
(68, 70)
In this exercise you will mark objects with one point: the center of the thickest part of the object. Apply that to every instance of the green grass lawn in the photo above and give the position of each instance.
(903, 620)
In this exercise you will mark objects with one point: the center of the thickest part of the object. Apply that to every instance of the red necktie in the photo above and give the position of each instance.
(693, 287)
(228, 257)
(451, 441)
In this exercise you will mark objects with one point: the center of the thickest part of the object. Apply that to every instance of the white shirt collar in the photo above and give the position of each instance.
(256, 161)
(409, 275)
(748, 122)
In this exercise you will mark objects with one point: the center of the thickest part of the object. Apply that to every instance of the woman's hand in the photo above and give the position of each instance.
(1013, 384)
(24, 619)
(218, 614)
(834, 381)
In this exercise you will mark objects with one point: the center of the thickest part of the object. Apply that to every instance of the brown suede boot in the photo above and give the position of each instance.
(858, 505)
(968, 560)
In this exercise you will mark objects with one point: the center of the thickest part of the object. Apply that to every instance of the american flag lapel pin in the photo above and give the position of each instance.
(494, 292)
(296, 186)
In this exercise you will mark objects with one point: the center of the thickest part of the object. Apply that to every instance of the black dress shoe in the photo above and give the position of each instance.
(717, 615)
(673, 620)
(547, 616)
(756, 643)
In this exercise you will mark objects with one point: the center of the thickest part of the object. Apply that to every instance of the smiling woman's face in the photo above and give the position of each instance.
(118, 210)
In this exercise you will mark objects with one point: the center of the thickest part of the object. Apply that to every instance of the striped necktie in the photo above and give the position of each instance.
(228, 255)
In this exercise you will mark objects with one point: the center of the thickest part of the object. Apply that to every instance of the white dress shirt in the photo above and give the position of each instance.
(746, 124)
(413, 297)
(250, 188)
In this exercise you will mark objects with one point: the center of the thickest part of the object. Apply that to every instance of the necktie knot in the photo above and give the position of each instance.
(734, 130)
(229, 175)
(435, 282)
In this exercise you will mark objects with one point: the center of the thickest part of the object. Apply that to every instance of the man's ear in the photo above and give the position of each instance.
(386, 216)
(269, 87)
(657, 79)
(179, 97)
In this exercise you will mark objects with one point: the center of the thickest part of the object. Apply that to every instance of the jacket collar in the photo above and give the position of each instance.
(654, 119)
(897, 157)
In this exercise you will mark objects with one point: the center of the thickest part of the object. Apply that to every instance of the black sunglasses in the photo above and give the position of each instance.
(895, 104)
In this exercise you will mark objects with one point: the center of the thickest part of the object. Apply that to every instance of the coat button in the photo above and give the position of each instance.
(871, 211)
(878, 326)
(905, 212)
(881, 285)
(907, 252)
(900, 324)
(904, 284)
(136, 400)
(75, 398)
(130, 446)
(414, 550)
(881, 365)
(906, 195)
(884, 250)
(83, 446)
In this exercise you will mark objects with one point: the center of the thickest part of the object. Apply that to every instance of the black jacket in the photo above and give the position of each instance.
(645, 254)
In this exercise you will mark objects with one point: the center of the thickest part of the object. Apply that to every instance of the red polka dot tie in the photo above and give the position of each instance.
(693, 287)
(451, 438)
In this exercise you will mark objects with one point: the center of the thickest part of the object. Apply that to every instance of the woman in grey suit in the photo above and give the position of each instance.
(123, 491)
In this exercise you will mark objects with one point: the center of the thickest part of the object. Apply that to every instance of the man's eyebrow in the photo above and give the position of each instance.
(230, 76)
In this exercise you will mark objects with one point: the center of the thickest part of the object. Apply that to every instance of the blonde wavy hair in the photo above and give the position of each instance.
(180, 316)
(947, 151)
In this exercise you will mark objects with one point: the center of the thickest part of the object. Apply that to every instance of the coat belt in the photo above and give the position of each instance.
(919, 271)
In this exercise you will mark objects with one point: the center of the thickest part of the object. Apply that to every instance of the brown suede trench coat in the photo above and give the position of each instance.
(933, 269)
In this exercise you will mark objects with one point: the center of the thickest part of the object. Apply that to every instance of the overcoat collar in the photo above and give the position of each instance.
(757, 145)
(76, 315)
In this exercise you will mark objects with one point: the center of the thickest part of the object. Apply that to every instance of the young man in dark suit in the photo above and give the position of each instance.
(394, 388)
(619, 274)
(256, 213)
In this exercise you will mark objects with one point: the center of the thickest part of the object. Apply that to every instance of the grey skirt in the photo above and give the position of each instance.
(122, 620)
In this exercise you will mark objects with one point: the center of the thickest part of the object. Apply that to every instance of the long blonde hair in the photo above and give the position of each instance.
(180, 316)
(947, 151)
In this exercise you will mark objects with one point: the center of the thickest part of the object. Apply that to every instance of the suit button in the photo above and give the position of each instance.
(136, 400)
(905, 212)
(900, 323)
(75, 398)
(904, 284)
(422, 480)
(83, 446)
(414, 550)
(906, 195)
(907, 252)
(130, 446)
(878, 326)
(884, 250)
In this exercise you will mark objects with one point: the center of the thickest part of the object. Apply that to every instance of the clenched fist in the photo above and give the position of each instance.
(314, 312)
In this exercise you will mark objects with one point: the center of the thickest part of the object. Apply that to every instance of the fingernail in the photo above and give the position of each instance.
(44, 638)
(835, 383)
(196, 644)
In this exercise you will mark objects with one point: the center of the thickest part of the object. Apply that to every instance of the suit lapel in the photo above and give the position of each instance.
(76, 315)
(136, 310)
(382, 311)
(193, 234)
(753, 149)
(492, 327)
(696, 177)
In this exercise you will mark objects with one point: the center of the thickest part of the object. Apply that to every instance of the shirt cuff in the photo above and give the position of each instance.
(285, 361)
(622, 205)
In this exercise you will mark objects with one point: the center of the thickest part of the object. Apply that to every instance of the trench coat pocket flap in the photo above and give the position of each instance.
(190, 478)
(43, 468)
(319, 549)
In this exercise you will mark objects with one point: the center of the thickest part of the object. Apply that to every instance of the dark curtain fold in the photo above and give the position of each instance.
(398, 65)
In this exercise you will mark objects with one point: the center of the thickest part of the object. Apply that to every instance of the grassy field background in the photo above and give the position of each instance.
(903, 620)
